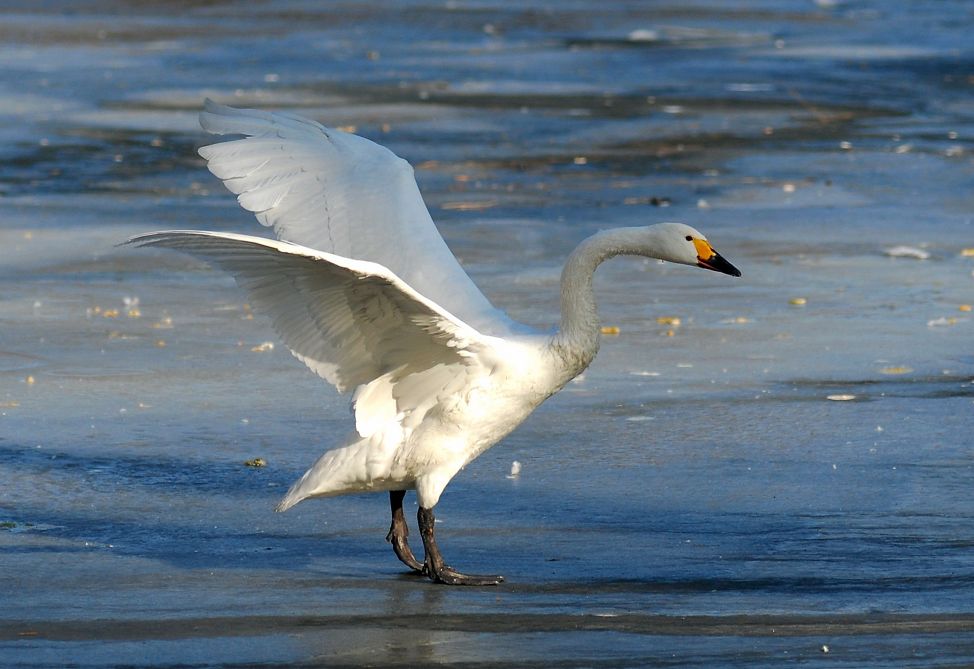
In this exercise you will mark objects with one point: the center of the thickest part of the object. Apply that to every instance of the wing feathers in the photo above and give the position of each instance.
(222, 120)
(355, 324)
(352, 322)
(343, 194)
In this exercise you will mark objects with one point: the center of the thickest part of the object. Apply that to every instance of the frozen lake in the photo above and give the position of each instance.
(697, 499)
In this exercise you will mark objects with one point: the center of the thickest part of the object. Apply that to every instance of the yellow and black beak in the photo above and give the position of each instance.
(710, 259)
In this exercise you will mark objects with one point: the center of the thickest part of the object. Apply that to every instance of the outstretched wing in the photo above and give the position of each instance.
(343, 194)
(354, 323)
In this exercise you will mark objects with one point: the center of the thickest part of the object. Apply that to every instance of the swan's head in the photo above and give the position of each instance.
(679, 243)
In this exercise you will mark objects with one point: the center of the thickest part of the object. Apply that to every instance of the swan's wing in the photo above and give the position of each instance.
(343, 194)
(354, 323)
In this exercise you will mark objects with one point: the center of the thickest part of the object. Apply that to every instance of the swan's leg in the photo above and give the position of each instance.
(399, 531)
(434, 567)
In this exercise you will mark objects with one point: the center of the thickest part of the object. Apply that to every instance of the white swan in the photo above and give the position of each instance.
(367, 294)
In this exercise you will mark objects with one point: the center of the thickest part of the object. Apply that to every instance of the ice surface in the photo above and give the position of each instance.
(699, 497)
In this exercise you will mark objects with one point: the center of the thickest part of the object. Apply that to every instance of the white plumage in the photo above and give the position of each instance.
(362, 288)
(333, 191)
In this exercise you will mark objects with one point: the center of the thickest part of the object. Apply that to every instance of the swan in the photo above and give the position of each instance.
(362, 288)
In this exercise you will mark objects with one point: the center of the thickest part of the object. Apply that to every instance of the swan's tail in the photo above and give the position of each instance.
(295, 494)
(340, 471)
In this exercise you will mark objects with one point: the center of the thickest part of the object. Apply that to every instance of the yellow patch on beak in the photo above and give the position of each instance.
(704, 250)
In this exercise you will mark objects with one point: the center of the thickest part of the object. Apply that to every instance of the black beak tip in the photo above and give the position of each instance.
(718, 264)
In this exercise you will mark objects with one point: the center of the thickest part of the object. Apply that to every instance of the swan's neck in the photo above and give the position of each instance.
(577, 341)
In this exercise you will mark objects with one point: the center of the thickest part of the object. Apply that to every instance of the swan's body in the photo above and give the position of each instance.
(367, 294)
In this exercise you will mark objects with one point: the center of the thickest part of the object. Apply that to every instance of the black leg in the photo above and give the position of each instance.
(399, 531)
(434, 567)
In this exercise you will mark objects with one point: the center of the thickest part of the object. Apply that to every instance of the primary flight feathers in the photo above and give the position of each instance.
(337, 192)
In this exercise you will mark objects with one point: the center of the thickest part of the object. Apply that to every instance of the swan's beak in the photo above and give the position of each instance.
(717, 263)
(710, 259)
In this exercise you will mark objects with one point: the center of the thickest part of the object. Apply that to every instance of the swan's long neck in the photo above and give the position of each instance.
(577, 341)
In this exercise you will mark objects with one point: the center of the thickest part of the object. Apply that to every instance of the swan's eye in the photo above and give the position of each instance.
(689, 238)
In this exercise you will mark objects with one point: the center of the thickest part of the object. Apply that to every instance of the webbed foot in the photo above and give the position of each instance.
(434, 567)
(449, 576)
